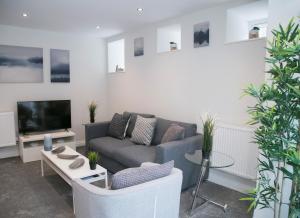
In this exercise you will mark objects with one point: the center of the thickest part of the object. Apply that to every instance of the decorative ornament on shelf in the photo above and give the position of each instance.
(92, 109)
(208, 131)
(173, 46)
(119, 69)
(254, 33)
(93, 159)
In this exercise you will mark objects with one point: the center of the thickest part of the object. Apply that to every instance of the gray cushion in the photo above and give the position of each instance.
(118, 126)
(108, 145)
(132, 121)
(162, 125)
(134, 156)
(143, 130)
(173, 133)
(134, 176)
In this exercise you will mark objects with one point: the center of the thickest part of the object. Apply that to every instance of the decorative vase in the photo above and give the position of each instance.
(205, 155)
(93, 165)
(92, 118)
(47, 142)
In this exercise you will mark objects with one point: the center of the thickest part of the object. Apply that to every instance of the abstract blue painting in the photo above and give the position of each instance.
(21, 64)
(201, 34)
(60, 66)
(139, 46)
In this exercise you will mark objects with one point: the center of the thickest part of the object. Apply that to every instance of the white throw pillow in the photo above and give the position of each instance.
(143, 130)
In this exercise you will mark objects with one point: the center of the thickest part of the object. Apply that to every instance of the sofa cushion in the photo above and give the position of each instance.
(134, 176)
(173, 133)
(143, 130)
(132, 121)
(134, 156)
(118, 126)
(108, 145)
(162, 125)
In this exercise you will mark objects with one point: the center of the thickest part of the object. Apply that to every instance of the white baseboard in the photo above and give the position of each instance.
(9, 151)
(231, 181)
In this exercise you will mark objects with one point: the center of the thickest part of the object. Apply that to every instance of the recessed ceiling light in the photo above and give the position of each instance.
(25, 15)
(97, 27)
(140, 10)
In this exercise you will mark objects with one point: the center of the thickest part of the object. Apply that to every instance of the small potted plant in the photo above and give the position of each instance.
(93, 159)
(92, 109)
(208, 130)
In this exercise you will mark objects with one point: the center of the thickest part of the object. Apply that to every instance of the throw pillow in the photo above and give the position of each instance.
(143, 130)
(118, 126)
(134, 176)
(173, 133)
(132, 121)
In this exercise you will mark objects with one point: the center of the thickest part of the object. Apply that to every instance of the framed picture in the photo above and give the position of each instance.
(21, 64)
(60, 66)
(201, 34)
(139, 46)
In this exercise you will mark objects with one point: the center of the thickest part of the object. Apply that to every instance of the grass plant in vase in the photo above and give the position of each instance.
(92, 109)
(208, 131)
(93, 159)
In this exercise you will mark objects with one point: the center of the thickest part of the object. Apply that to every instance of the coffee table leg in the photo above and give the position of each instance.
(42, 166)
(201, 177)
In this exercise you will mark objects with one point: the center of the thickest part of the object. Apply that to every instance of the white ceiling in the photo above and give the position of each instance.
(82, 16)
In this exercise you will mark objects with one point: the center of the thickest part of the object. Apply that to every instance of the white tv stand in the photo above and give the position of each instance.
(31, 145)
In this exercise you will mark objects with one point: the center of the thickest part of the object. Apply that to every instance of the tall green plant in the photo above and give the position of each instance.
(277, 114)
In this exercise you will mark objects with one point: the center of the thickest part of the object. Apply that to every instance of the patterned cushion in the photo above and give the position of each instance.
(132, 120)
(134, 176)
(173, 133)
(118, 126)
(143, 131)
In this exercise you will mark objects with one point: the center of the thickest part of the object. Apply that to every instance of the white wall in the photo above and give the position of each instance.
(87, 69)
(182, 85)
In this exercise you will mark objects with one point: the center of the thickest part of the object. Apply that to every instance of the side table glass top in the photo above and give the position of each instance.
(217, 159)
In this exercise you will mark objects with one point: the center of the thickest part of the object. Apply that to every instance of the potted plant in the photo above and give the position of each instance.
(93, 159)
(208, 130)
(92, 109)
(277, 117)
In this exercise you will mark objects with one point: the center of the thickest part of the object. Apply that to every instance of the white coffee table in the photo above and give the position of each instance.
(61, 167)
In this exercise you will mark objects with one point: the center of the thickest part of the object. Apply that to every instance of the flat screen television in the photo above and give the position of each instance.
(39, 116)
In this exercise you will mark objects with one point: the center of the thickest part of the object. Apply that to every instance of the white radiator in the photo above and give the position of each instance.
(7, 129)
(237, 142)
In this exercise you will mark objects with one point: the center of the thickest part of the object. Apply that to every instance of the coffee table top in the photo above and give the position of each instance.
(63, 164)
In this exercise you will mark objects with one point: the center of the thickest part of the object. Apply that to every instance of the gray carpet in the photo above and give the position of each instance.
(24, 193)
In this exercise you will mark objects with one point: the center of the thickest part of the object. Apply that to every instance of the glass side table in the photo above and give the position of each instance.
(217, 160)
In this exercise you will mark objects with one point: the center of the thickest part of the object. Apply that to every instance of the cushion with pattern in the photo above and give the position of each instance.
(134, 176)
(143, 130)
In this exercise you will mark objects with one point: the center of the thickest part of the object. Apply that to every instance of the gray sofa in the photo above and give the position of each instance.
(116, 154)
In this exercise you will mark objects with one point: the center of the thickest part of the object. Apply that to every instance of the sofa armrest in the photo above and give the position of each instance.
(95, 130)
(175, 150)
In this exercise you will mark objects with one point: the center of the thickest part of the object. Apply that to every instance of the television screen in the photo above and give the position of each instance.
(38, 116)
